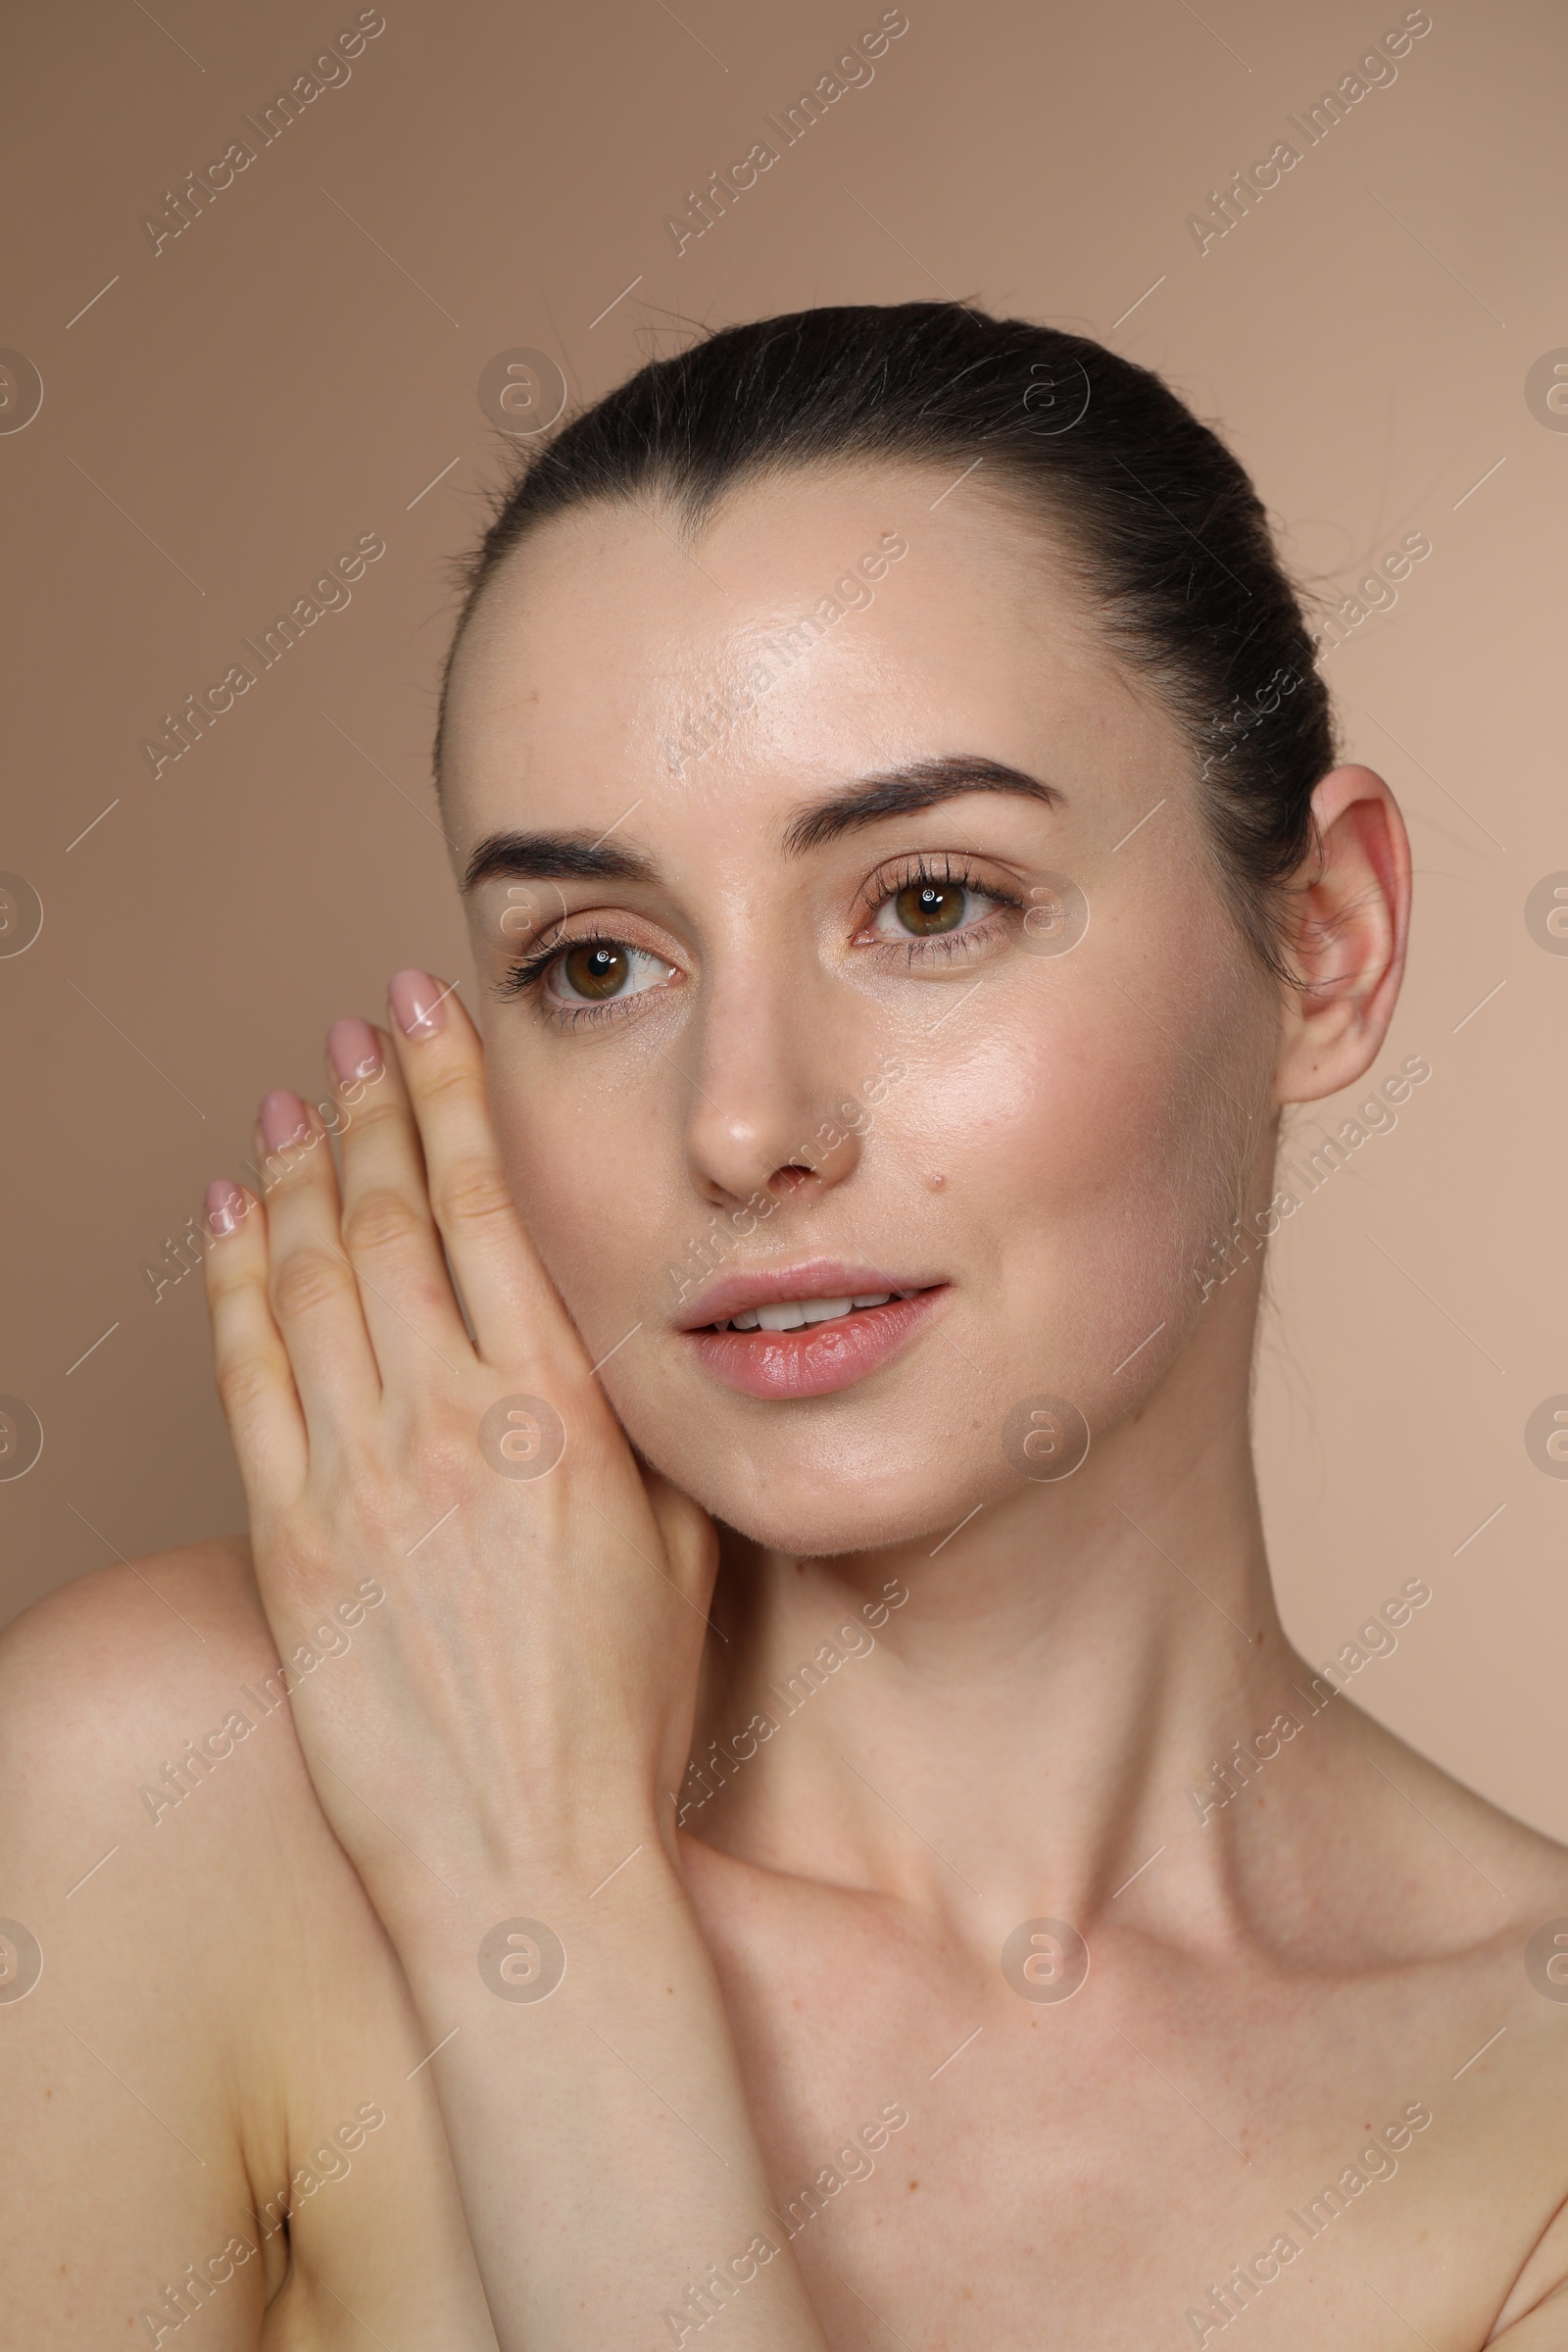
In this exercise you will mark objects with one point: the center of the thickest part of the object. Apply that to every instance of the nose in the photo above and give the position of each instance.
(763, 1064)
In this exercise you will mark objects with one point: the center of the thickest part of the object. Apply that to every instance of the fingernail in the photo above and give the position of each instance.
(225, 1206)
(417, 1004)
(284, 1119)
(352, 1050)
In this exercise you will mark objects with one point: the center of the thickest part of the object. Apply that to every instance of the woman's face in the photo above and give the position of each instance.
(1000, 1048)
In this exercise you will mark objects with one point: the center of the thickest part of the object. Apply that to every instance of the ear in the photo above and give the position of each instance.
(1351, 916)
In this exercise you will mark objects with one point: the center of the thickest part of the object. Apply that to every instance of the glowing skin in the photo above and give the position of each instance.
(1089, 1111)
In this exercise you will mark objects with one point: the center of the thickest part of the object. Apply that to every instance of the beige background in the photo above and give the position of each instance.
(297, 366)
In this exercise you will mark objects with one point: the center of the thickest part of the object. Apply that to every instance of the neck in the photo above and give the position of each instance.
(1010, 1723)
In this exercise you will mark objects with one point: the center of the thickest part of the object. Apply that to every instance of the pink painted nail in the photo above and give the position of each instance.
(417, 1004)
(352, 1050)
(225, 1206)
(284, 1119)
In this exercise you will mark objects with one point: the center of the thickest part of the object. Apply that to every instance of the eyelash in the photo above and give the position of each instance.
(915, 872)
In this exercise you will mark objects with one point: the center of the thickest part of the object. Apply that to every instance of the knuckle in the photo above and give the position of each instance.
(243, 1383)
(381, 1220)
(473, 1195)
(309, 1279)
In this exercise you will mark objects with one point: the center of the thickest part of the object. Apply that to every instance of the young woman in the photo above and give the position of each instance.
(748, 1781)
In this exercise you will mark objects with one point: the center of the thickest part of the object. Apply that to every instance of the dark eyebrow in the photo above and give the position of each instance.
(577, 855)
(904, 792)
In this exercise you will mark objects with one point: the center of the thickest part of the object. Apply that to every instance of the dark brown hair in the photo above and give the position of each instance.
(1167, 534)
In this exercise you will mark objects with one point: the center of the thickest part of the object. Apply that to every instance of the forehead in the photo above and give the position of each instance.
(817, 624)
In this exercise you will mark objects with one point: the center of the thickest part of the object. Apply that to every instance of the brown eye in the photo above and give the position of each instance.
(926, 908)
(595, 969)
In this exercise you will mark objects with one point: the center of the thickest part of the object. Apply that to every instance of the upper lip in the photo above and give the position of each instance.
(815, 1278)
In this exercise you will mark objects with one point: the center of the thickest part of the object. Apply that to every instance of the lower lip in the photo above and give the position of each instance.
(819, 1357)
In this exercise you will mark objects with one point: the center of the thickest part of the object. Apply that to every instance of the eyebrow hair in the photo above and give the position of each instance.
(904, 792)
(579, 855)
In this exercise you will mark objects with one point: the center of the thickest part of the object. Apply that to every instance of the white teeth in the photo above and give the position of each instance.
(794, 1314)
(786, 1314)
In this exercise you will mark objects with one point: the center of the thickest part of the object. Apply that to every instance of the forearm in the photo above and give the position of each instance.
(608, 2168)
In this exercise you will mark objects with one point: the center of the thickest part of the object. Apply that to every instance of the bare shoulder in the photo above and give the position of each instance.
(163, 1859)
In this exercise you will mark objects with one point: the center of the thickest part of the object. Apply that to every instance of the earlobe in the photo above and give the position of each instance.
(1350, 922)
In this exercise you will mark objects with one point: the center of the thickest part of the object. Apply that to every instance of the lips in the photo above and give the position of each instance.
(834, 1341)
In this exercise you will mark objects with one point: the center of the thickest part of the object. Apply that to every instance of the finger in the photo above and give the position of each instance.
(310, 1284)
(518, 1316)
(251, 1364)
(389, 1234)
